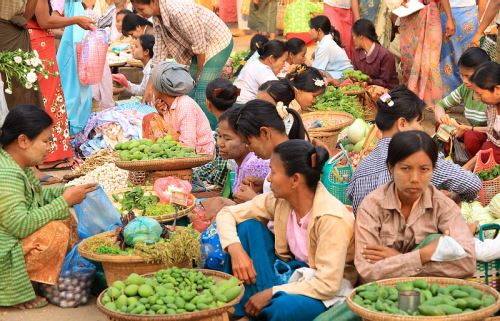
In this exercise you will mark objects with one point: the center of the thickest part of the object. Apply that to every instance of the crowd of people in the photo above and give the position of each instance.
(277, 211)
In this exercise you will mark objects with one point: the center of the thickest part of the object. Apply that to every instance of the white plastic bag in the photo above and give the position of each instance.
(448, 250)
(3, 103)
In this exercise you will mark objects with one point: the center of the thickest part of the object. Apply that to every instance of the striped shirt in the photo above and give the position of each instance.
(372, 172)
(11, 8)
(25, 208)
(475, 110)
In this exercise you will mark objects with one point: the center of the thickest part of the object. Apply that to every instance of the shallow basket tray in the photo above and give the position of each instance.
(335, 120)
(481, 314)
(165, 164)
(217, 314)
(161, 218)
(118, 267)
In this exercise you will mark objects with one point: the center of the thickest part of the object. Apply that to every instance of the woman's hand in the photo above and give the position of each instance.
(76, 194)
(86, 23)
(255, 183)
(243, 267)
(476, 41)
(375, 253)
(450, 28)
(121, 79)
(257, 302)
(441, 116)
(245, 193)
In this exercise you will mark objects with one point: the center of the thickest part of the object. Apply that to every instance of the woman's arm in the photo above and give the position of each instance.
(450, 23)
(355, 9)
(55, 21)
(489, 15)
(51, 193)
(387, 71)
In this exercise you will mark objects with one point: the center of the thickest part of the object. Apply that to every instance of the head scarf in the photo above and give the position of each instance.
(172, 78)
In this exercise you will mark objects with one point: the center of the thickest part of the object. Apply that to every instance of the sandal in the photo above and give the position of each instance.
(63, 164)
(37, 303)
(49, 180)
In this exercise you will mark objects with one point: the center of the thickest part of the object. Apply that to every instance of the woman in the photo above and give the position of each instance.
(420, 41)
(401, 110)
(136, 26)
(371, 58)
(297, 16)
(143, 51)
(272, 57)
(486, 85)
(183, 115)
(32, 235)
(308, 84)
(303, 211)
(192, 35)
(274, 91)
(255, 42)
(262, 18)
(398, 216)
(342, 14)
(329, 55)
(120, 15)
(297, 51)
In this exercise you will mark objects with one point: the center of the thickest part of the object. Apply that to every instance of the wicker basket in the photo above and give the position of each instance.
(335, 121)
(488, 272)
(141, 178)
(119, 267)
(488, 188)
(165, 164)
(481, 314)
(217, 314)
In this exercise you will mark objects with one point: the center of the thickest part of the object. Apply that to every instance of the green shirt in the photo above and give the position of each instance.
(24, 208)
(298, 14)
(474, 110)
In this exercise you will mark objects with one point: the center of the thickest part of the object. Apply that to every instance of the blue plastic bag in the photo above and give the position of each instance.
(74, 284)
(96, 214)
(215, 259)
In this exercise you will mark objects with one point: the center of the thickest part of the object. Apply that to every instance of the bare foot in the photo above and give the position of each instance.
(37, 303)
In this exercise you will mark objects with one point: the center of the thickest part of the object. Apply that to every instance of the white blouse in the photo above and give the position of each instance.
(253, 74)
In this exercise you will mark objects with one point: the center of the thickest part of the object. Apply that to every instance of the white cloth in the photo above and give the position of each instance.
(253, 74)
(448, 250)
(462, 3)
(304, 274)
(139, 89)
(487, 250)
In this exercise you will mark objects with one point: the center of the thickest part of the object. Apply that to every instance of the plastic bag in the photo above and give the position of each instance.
(166, 185)
(75, 283)
(448, 250)
(144, 229)
(214, 260)
(282, 271)
(91, 57)
(96, 214)
(458, 154)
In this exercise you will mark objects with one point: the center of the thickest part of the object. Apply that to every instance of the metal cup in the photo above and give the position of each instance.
(409, 300)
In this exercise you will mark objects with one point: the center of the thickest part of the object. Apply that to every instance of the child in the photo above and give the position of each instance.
(171, 83)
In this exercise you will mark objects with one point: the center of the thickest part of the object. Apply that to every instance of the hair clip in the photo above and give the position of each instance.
(319, 82)
(281, 109)
(387, 99)
(301, 69)
(257, 45)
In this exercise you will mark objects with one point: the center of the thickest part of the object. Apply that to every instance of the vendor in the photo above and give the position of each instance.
(34, 240)
(401, 110)
(308, 83)
(303, 212)
(192, 35)
(398, 216)
(120, 15)
(136, 26)
(297, 51)
(330, 55)
(272, 58)
(143, 51)
(371, 58)
(187, 122)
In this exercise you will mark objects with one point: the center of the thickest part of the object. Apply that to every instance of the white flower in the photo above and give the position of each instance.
(8, 91)
(34, 62)
(28, 85)
(18, 59)
(36, 53)
(28, 62)
(319, 82)
(31, 77)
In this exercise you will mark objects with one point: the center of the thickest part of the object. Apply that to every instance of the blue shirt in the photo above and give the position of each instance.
(372, 172)
(331, 58)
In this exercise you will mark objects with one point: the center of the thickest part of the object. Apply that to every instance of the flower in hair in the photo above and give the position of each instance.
(319, 82)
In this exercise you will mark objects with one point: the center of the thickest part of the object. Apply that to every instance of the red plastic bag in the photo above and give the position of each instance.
(166, 185)
(91, 57)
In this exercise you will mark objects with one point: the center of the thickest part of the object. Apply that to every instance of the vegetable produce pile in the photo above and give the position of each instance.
(435, 300)
(238, 58)
(335, 100)
(353, 139)
(108, 176)
(355, 75)
(136, 199)
(95, 160)
(169, 291)
(146, 149)
(475, 212)
(70, 291)
(351, 88)
(490, 174)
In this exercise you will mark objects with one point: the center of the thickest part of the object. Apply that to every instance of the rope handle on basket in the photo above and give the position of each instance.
(338, 157)
(488, 227)
(369, 138)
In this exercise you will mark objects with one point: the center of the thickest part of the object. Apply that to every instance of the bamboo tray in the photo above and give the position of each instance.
(334, 121)
(217, 314)
(481, 314)
(165, 164)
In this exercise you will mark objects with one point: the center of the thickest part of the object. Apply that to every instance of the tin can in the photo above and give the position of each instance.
(409, 300)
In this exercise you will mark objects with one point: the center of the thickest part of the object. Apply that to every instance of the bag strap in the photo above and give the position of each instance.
(334, 160)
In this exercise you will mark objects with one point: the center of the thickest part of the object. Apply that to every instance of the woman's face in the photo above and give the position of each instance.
(356, 40)
(299, 58)
(138, 52)
(306, 99)
(261, 145)
(465, 74)
(412, 175)
(37, 149)
(231, 145)
(119, 21)
(487, 96)
(314, 34)
(277, 64)
(147, 10)
(137, 32)
(281, 183)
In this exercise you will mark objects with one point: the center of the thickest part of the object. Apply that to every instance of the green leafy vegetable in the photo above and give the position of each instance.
(488, 175)
(136, 199)
(356, 75)
(335, 100)
(159, 209)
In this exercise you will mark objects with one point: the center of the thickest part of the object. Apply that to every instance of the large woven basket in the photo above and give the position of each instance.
(162, 218)
(140, 178)
(118, 267)
(165, 164)
(217, 314)
(332, 121)
(481, 314)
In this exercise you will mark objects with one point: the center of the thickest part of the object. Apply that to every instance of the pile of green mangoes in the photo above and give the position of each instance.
(434, 299)
(146, 149)
(169, 291)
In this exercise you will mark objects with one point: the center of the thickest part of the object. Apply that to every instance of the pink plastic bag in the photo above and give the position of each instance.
(91, 57)
(165, 185)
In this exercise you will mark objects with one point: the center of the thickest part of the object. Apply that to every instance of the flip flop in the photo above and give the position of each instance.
(33, 305)
(46, 180)
(54, 167)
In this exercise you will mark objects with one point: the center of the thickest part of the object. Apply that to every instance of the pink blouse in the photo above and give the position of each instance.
(297, 236)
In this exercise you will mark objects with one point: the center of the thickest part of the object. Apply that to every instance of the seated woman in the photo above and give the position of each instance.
(255, 42)
(186, 120)
(371, 58)
(143, 51)
(272, 57)
(402, 110)
(486, 85)
(398, 216)
(308, 83)
(297, 50)
(120, 15)
(34, 240)
(136, 26)
(329, 56)
(303, 212)
(474, 109)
